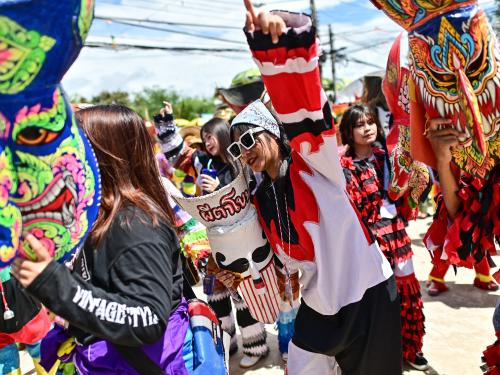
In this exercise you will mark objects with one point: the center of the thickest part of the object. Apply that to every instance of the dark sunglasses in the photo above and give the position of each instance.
(247, 141)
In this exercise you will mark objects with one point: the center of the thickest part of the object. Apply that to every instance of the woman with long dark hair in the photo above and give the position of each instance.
(216, 138)
(366, 168)
(349, 315)
(123, 302)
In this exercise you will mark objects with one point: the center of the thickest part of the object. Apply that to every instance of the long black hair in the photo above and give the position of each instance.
(219, 128)
(349, 120)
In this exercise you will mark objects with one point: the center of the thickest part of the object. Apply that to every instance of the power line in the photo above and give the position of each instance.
(171, 23)
(137, 45)
(184, 8)
(188, 33)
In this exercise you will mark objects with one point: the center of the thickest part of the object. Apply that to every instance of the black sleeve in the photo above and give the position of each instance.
(136, 313)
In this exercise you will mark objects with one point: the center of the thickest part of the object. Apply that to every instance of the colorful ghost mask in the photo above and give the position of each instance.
(409, 178)
(49, 183)
(454, 74)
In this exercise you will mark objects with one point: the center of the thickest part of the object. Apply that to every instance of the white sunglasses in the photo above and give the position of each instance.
(247, 141)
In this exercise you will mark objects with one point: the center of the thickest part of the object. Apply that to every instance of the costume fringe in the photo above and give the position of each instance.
(491, 358)
(470, 236)
(412, 316)
(393, 239)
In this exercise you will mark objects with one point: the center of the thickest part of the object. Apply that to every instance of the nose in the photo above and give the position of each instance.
(244, 153)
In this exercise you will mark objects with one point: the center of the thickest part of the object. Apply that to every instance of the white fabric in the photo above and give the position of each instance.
(302, 113)
(302, 362)
(404, 268)
(298, 65)
(345, 264)
(256, 113)
(388, 210)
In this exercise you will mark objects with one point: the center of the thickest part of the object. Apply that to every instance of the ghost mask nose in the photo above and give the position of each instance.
(469, 105)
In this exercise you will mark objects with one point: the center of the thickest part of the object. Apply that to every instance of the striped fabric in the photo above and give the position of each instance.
(339, 262)
(263, 307)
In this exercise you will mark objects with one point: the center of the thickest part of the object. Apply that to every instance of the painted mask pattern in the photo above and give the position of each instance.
(49, 181)
(454, 73)
(409, 178)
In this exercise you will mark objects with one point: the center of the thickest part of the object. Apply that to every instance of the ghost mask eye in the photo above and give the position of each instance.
(34, 136)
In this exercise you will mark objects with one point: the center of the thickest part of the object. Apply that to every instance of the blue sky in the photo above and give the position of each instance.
(364, 31)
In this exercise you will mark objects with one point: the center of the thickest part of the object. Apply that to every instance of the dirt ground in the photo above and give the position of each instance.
(458, 323)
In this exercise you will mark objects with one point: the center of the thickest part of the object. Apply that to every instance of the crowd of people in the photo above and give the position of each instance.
(304, 199)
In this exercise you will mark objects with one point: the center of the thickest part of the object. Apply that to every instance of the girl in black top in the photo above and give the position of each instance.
(126, 288)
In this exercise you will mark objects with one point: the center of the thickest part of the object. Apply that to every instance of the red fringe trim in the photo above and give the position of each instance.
(470, 236)
(491, 358)
(412, 316)
(363, 188)
(392, 238)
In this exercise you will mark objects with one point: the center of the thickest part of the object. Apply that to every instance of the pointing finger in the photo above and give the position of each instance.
(251, 10)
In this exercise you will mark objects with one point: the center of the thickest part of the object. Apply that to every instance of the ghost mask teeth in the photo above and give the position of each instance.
(62, 190)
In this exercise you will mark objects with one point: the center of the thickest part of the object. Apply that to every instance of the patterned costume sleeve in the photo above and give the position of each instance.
(352, 182)
(291, 76)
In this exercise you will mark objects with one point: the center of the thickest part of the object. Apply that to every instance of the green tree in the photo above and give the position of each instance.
(112, 97)
(77, 98)
(150, 101)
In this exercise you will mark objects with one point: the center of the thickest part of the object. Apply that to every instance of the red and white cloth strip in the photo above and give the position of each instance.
(263, 307)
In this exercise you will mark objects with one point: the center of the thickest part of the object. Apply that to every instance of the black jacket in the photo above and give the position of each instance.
(122, 292)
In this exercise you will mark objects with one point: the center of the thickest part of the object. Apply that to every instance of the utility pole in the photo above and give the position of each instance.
(314, 16)
(333, 59)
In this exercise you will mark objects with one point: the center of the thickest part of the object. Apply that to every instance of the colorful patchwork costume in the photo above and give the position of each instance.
(365, 185)
(454, 74)
(346, 283)
(49, 183)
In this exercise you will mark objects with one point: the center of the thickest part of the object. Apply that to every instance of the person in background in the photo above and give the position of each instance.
(366, 170)
(464, 199)
(245, 87)
(181, 157)
(192, 136)
(437, 285)
(374, 98)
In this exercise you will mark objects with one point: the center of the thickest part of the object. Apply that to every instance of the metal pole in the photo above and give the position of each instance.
(333, 59)
(314, 16)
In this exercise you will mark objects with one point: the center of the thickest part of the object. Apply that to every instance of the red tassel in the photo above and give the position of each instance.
(412, 316)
